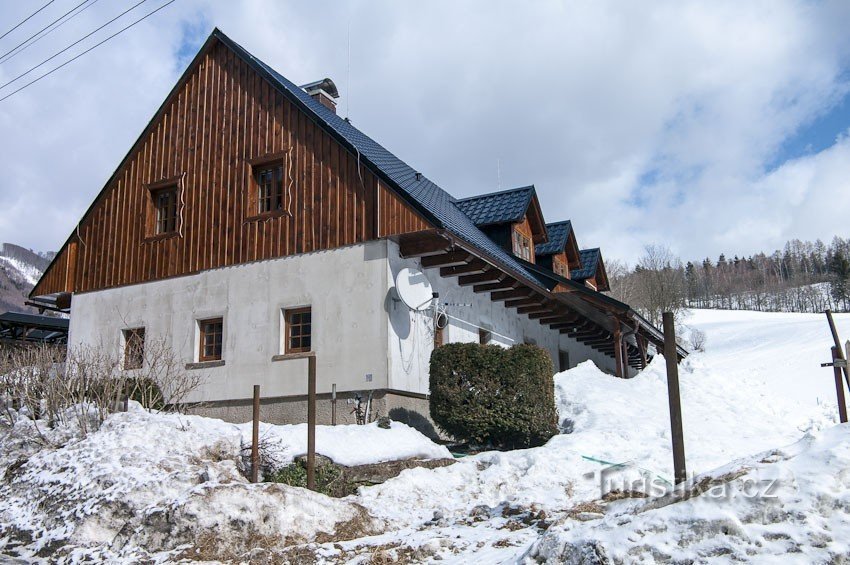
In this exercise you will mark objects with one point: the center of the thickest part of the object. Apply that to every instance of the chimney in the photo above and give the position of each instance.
(323, 91)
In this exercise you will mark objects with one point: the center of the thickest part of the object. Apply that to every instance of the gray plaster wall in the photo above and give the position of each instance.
(345, 288)
(411, 334)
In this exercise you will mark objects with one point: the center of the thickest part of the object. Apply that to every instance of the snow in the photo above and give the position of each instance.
(148, 484)
(348, 445)
(29, 273)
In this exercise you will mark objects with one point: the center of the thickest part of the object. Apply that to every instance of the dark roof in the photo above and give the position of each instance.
(433, 202)
(589, 263)
(21, 327)
(497, 207)
(558, 232)
(34, 320)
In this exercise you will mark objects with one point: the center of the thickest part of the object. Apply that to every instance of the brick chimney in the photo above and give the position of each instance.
(323, 91)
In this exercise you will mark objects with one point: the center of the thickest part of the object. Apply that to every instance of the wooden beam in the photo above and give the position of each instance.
(475, 266)
(531, 301)
(508, 294)
(490, 287)
(422, 245)
(555, 318)
(564, 327)
(450, 259)
(491, 276)
(618, 351)
(534, 309)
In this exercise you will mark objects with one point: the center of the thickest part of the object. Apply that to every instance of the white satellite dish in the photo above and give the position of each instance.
(414, 289)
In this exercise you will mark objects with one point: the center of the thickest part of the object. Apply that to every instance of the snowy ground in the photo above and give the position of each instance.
(758, 410)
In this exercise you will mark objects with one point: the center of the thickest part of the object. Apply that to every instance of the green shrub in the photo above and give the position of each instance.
(484, 394)
(329, 478)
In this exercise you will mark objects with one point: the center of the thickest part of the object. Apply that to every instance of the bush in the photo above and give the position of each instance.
(484, 394)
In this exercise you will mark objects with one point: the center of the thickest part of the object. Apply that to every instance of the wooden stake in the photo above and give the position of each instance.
(255, 438)
(670, 356)
(839, 387)
(837, 344)
(333, 404)
(311, 422)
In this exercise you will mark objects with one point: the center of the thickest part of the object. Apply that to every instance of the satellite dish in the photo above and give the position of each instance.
(414, 289)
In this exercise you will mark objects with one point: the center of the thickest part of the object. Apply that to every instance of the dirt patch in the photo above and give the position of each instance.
(340, 481)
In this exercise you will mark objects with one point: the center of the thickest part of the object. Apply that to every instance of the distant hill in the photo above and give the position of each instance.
(20, 269)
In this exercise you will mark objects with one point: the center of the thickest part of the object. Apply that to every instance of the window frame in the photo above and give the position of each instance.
(137, 356)
(275, 195)
(288, 325)
(522, 242)
(485, 336)
(202, 341)
(257, 165)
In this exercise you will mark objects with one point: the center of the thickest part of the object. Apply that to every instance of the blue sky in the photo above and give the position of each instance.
(708, 127)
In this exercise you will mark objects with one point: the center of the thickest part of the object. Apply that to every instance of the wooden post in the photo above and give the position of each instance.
(837, 343)
(641, 341)
(618, 350)
(255, 438)
(671, 358)
(839, 387)
(311, 422)
(333, 404)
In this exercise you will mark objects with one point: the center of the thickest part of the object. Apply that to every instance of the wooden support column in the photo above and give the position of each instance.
(641, 341)
(839, 387)
(618, 351)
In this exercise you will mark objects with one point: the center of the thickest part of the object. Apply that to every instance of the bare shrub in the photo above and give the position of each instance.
(696, 339)
(83, 388)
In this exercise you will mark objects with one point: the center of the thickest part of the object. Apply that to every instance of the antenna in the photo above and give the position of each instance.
(348, 78)
(498, 174)
(414, 289)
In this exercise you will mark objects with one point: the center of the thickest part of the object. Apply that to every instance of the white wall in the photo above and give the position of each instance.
(411, 334)
(345, 288)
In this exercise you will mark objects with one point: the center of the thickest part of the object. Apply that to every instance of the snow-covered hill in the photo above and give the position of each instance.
(20, 269)
(760, 419)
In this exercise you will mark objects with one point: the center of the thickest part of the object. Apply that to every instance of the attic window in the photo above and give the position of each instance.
(165, 203)
(560, 268)
(522, 246)
(269, 180)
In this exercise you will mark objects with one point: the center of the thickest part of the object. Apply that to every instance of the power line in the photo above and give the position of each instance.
(134, 6)
(22, 22)
(50, 72)
(3, 56)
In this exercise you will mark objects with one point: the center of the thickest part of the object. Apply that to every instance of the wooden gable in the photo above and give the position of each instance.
(220, 119)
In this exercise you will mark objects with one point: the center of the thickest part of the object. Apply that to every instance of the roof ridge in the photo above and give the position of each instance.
(497, 193)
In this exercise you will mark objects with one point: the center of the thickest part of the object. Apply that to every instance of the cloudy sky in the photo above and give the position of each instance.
(709, 127)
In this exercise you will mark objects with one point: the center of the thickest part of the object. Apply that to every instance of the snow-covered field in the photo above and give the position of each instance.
(760, 433)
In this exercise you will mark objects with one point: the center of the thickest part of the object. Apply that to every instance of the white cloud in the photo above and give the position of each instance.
(583, 99)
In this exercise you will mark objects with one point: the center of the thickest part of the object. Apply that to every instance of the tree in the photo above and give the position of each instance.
(661, 283)
(839, 268)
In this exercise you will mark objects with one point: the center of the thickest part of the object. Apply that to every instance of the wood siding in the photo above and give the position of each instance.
(222, 117)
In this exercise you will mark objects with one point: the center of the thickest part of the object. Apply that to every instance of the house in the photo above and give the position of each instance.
(252, 227)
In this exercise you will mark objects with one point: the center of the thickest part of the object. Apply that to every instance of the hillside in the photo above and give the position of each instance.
(758, 411)
(20, 269)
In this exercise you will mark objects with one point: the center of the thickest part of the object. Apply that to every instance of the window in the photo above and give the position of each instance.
(484, 336)
(134, 348)
(560, 268)
(211, 339)
(522, 246)
(299, 330)
(269, 188)
(165, 203)
(563, 360)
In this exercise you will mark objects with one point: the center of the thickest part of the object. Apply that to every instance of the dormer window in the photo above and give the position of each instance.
(522, 246)
(269, 188)
(560, 268)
